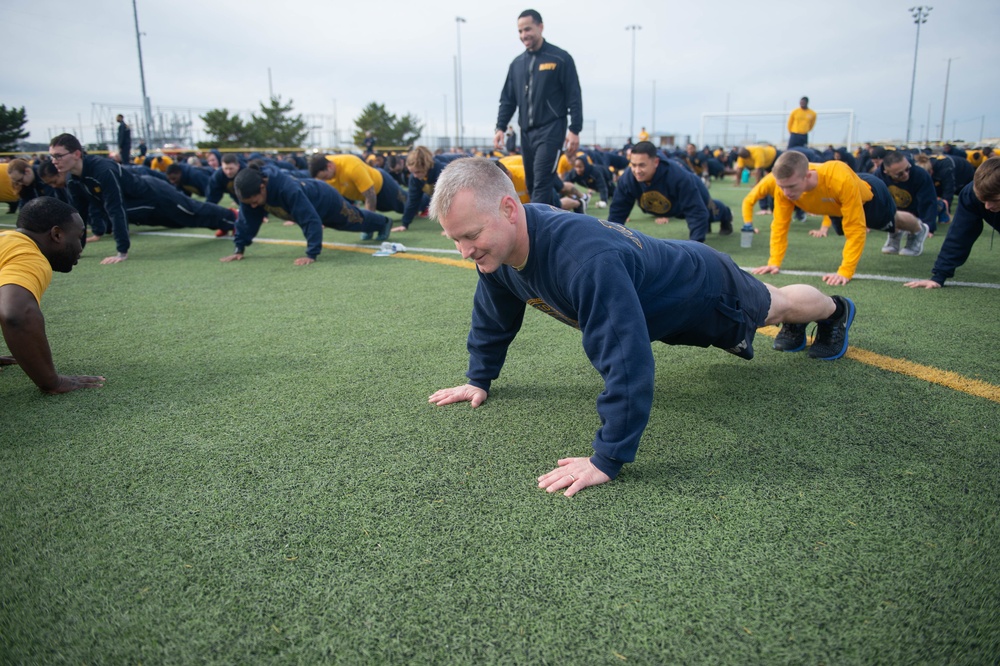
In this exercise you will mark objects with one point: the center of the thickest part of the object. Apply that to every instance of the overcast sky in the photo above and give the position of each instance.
(79, 63)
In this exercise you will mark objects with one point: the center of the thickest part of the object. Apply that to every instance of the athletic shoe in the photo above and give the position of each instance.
(384, 233)
(219, 233)
(791, 338)
(366, 235)
(915, 243)
(725, 227)
(583, 203)
(892, 243)
(800, 215)
(831, 334)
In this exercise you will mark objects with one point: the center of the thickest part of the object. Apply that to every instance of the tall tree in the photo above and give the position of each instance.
(276, 127)
(226, 131)
(387, 128)
(12, 122)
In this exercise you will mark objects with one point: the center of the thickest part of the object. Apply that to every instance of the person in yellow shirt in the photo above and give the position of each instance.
(514, 168)
(759, 159)
(49, 236)
(643, 135)
(765, 190)
(800, 122)
(7, 193)
(762, 190)
(357, 181)
(861, 201)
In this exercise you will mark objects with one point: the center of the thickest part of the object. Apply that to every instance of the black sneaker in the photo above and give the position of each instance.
(791, 338)
(383, 234)
(831, 334)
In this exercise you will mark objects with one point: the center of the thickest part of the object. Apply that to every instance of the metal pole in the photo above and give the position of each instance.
(460, 103)
(725, 130)
(920, 14)
(142, 78)
(458, 141)
(944, 105)
(652, 125)
(631, 117)
(445, 133)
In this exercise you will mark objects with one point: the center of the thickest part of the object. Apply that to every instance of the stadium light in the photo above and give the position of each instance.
(459, 102)
(631, 118)
(944, 104)
(147, 113)
(920, 14)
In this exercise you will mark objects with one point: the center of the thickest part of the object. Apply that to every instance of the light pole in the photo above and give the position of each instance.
(920, 14)
(652, 126)
(147, 114)
(459, 107)
(631, 118)
(944, 105)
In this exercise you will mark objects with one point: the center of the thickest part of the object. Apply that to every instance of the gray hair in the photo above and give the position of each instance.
(478, 174)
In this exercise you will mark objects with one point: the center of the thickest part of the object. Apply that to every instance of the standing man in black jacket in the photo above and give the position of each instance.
(124, 141)
(543, 86)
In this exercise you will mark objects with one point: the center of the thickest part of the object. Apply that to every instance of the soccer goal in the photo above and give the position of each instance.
(740, 128)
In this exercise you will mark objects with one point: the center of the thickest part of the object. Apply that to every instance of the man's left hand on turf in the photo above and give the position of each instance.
(573, 474)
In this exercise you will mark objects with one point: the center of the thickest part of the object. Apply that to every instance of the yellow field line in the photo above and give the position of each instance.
(946, 378)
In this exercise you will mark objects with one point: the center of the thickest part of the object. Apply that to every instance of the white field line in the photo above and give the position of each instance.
(433, 250)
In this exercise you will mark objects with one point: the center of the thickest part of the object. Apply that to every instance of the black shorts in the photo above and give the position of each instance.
(736, 312)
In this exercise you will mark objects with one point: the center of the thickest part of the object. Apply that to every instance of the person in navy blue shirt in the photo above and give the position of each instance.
(978, 202)
(592, 176)
(311, 203)
(111, 191)
(189, 179)
(543, 87)
(424, 168)
(124, 140)
(665, 189)
(620, 288)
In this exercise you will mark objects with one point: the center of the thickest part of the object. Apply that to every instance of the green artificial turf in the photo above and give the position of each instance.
(262, 480)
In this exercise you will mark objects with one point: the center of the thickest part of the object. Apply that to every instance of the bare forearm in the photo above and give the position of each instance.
(24, 333)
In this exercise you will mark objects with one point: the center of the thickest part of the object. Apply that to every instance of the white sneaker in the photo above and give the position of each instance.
(892, 243)
(915, 243)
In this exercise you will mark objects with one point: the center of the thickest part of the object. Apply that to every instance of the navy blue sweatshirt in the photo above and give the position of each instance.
(966, 227)
(915, 195)
(103, 186)
(417, 188)
(307, 202)
(673, 191)
(621, 289)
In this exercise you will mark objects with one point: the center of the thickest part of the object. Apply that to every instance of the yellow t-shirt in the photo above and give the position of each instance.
(23, 264)
(839, 193)
(801, 121)
(761, 157)
(765, 188)
(7, 193)
(564, 166)
(975, 157)
(515, 164)
(643, 135)
(354, 176)
(161, 163)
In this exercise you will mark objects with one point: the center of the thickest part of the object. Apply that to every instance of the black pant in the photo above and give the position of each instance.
(541, 148)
